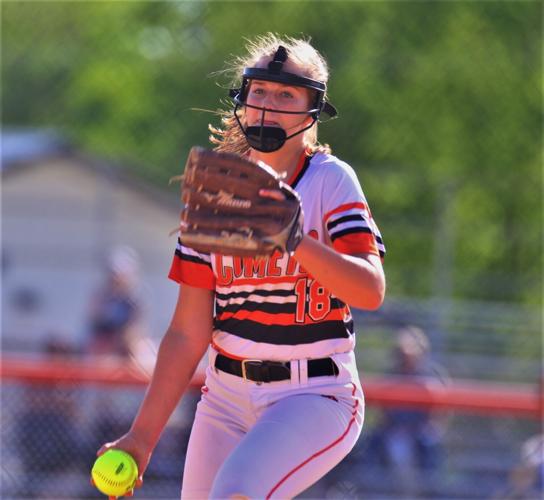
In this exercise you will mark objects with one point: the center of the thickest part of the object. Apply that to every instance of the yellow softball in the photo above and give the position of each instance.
(114, 473)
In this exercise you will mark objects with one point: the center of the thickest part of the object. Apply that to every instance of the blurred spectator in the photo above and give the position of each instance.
(407, 441)
(526, 480)
(115, 312)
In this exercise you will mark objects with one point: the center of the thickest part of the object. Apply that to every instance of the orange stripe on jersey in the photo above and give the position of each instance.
(355, 243)
(342, 208)
(222, 351)
(300, 164)
(192, 274)
(285, 319)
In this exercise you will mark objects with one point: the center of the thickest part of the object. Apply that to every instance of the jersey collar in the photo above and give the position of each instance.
(302, 166)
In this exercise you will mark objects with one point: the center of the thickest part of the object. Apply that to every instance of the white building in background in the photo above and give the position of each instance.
(62, 214)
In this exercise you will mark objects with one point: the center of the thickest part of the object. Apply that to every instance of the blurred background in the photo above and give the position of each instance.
(441, 116)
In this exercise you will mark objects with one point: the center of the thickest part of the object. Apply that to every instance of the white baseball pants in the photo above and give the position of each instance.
(271, 440)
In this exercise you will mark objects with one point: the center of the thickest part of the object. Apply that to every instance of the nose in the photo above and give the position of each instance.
(268, 102)
(273, 112)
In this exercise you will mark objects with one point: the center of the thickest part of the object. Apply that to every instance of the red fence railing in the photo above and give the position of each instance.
(468, 396)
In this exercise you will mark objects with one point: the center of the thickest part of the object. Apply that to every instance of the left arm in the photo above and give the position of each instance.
(358, 280)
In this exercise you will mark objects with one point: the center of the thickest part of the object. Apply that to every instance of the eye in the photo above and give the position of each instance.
(286, 94)
(257, 90)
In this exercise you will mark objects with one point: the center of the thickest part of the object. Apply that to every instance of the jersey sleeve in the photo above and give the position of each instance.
(192, 268)
(348, 220)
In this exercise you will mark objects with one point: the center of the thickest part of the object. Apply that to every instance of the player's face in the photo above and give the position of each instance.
(280, 97)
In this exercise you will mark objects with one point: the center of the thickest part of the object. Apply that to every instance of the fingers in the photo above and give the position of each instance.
(272, 193)
(103, 449)
(129, 493)
(139, 482)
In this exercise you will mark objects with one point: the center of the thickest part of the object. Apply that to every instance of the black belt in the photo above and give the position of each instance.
(257, 370)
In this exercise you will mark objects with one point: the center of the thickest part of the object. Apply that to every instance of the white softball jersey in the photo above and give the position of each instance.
(272, 308)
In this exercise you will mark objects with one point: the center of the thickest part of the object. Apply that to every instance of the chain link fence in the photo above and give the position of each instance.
(50, 435)
(51, 431)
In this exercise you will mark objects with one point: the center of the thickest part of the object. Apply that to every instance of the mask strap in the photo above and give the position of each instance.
(302, 130)
(263, 112)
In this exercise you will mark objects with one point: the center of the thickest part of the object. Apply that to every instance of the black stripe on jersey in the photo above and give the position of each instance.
(178, 252)
(346, 218)
(302, 171)
(350, 230)
(336, 303)
(267, 307)
(260, 293)
(286, 335)
(192, 258)
(380, 242)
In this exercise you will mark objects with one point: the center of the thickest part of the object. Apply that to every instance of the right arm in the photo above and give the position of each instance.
(181, 349)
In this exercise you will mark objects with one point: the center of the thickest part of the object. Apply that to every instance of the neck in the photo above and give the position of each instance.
(283, 161)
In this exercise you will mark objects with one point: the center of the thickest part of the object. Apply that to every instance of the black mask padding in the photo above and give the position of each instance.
(265, 139)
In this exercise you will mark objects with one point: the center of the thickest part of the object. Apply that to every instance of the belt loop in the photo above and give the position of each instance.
(212, 354)
(303, 371)
(335, 368)
(295, 374)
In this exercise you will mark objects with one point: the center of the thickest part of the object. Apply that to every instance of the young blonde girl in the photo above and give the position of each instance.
(282, 403)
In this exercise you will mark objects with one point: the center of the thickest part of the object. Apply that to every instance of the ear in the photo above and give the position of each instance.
(309, 119)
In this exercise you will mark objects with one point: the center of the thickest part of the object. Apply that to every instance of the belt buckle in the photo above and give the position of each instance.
(244, 361)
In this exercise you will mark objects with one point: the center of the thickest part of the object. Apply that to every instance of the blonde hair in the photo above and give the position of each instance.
(311, 65)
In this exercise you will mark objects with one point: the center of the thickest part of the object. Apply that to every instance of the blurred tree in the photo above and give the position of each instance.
(440, 112)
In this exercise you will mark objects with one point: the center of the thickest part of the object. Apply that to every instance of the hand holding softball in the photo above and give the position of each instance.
(120, 466)
(114, 473)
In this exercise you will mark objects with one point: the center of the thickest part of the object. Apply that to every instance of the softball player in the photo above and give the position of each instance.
(282, 403)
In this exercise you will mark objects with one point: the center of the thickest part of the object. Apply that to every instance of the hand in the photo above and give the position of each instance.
(137, 448)
(296, 234)
(130, 493)
(272, 193)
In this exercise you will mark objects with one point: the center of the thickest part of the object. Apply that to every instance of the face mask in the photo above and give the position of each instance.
(269, 139)
(264, 137)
